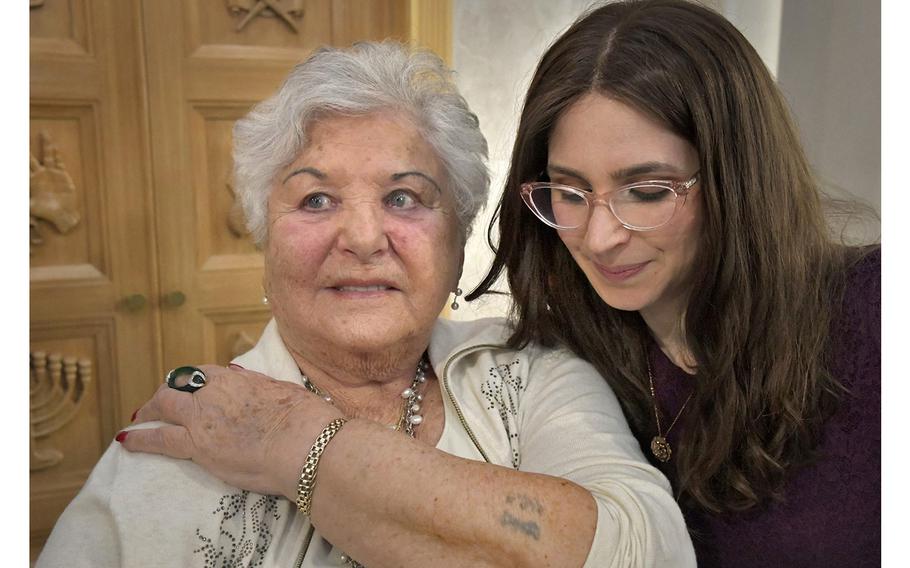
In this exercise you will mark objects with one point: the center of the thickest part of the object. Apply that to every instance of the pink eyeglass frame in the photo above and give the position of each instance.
(679, 189)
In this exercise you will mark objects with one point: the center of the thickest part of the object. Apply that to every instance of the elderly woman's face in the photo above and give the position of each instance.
(363, 245)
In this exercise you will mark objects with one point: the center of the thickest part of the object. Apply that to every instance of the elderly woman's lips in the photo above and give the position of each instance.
(376, 288)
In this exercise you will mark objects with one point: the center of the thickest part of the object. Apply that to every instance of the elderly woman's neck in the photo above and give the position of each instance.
(362, 384)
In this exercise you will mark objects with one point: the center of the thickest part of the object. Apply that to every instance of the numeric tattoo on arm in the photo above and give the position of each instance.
(526, 507)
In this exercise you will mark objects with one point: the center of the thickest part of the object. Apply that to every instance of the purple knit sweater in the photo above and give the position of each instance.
(831, 514)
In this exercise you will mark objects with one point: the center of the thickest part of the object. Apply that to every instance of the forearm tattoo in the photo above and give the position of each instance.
(522, 514)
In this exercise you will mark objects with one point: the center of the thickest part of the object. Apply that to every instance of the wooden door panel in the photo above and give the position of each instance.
(363, 20)
(73, 414)
(220, 227)
(231, 333)
(67, 205)
(238, 28)
(60, 27)
(87, 104)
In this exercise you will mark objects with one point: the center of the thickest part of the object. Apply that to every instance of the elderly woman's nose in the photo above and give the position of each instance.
(362, 230)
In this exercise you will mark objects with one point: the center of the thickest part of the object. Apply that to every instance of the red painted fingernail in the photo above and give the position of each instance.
(133, 418)
(121, 437)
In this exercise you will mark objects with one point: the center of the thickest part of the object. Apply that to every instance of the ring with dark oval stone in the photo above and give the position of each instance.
(195, 382)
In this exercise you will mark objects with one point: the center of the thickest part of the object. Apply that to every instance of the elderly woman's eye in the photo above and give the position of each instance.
(316, 202)
(401, 199)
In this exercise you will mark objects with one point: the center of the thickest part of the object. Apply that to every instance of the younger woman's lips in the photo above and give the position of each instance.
(621, 273)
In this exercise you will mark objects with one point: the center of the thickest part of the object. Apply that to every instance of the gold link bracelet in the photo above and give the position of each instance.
(307, 481)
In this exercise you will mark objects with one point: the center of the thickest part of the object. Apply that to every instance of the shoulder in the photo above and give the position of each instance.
(473, 357)
(488, 337)
(855, 344)
(451, 336)
(864, 274)
(858, 317)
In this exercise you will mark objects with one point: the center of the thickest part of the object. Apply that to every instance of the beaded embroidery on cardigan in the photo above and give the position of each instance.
(503, 391)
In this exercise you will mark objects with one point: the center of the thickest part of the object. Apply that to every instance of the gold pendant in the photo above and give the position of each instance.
(660, 448)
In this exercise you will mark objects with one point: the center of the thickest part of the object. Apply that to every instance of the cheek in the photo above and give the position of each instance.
(294, 255)
(430, 250)
(570, 239)
(684, 242)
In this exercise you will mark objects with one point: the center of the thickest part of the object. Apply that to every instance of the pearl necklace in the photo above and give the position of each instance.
(409, 419)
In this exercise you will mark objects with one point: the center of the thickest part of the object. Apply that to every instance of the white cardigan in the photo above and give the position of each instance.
(536, 410)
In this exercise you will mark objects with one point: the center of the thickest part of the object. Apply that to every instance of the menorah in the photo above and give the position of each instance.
(57, 387)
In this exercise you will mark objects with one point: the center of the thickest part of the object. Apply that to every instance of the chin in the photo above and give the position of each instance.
(372, 332)
(624, 300)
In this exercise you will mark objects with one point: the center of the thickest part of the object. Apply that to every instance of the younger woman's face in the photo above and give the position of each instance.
(598, 145)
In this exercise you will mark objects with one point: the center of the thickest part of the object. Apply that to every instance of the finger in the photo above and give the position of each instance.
(173, 441)
(168, 405)
(148, 411)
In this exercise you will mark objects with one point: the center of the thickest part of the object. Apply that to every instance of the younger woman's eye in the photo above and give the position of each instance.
(316, 202)
(649, 193)
(401, 199)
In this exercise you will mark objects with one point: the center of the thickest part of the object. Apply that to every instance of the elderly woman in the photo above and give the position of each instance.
(386, 436)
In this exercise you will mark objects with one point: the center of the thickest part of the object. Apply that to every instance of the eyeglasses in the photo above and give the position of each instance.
(640, 206)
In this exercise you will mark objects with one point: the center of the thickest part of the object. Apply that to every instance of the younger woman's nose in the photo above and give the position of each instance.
(603, 230)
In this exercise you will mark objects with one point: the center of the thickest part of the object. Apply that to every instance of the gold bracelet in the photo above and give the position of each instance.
(307, 481)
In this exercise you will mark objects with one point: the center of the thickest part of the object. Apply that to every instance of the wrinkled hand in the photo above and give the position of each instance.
(245, 428)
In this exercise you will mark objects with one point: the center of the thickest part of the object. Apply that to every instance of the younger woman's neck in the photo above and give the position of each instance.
(666, 326)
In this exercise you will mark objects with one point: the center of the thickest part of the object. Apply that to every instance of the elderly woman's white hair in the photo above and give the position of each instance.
(368, 77)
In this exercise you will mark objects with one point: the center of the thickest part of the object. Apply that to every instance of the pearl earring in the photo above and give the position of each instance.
(455, 304)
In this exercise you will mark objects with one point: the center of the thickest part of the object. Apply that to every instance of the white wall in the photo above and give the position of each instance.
(824, 52)
(830, 73)
(760, 22)
(496, 46)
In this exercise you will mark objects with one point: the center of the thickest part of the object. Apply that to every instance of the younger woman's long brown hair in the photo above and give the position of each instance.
(767, 276)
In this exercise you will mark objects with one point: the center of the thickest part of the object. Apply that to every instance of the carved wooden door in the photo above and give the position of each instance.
(92, 273)
(140, 262)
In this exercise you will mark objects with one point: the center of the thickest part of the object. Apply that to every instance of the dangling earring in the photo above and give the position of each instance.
(265, 300)
(455, 305)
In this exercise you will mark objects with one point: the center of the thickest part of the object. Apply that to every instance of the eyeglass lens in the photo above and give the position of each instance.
(641, 206)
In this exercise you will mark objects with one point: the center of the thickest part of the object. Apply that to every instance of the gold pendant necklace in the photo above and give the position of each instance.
(660, 447)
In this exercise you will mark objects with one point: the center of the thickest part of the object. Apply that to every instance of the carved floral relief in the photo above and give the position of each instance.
(248, 10)
(52, 193)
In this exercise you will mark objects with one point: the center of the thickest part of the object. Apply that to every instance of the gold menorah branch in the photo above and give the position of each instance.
(57, 387)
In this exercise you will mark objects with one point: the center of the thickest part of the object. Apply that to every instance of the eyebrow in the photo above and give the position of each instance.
(320, 175)
(622, 173)
(306, 170)
(398, 176)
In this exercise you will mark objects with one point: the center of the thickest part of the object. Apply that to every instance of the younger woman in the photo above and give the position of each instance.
(660, 218)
